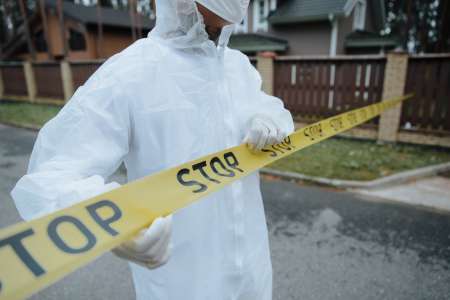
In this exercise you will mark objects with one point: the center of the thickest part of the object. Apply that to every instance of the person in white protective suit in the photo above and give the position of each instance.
(171, 97)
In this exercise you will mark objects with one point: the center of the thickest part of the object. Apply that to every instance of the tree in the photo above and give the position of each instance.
(421, 25)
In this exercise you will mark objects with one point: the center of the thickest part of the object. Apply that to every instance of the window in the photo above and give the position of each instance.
(359, 16)
(76, 40)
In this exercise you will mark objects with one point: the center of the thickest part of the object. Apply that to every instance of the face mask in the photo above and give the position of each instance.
(233, 11)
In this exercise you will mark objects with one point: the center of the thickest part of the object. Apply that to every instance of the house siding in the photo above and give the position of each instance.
(56, 42)
(113, 42)
(345, 25)
(370, 20)
(306, 38)
(314, 38)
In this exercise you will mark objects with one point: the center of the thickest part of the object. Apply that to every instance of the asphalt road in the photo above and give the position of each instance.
(325, 244)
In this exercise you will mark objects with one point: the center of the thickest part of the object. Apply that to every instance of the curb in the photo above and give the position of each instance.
(24, 126)
(372, 184)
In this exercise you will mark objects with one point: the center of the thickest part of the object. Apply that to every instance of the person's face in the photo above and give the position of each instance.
(213, 23)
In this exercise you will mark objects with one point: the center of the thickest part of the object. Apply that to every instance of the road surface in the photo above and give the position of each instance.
(325, 244)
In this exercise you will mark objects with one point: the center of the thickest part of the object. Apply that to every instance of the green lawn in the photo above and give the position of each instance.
(27, 114)
(342, 158)
(335, 158)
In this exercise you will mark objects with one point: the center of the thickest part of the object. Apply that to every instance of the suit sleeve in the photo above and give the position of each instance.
(260, 103)
(76, 151)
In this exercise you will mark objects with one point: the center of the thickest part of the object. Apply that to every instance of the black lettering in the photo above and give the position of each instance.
(284, 146)
(15, 242)
(216, 161)
(274, 147)
(313, 132)
(104, 223)
(200, 166)
(234, 163)
(272, 153)
(337, 124)
(352, 118)
(52, 231)
(287, 140)
(201, 186)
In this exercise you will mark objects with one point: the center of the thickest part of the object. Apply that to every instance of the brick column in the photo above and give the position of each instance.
(30, 81)
(66, 75)
(394, 86)
(266, 70)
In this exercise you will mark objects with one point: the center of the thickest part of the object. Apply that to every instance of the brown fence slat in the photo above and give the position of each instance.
(312, 93)
(48, 80)
(81, 71)
(14, 79)
(429, 78)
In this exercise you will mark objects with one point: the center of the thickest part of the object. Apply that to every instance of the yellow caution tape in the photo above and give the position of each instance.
(36, 254)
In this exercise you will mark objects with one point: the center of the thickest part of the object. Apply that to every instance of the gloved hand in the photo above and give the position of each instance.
(263, 131)
(151, 247)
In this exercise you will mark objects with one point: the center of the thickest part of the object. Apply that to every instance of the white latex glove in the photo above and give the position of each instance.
(151, 247)
(263, 131)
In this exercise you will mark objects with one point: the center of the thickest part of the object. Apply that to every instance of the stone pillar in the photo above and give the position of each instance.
(30, 81)
(66, 76)
(265, 66)
(394, 86)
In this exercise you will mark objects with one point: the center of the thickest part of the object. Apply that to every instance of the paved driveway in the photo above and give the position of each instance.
(325, 244)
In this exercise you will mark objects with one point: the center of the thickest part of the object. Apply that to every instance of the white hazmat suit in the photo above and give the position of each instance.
(167, 99)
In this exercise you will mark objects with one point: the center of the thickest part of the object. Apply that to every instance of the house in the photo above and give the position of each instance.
(81, 33)
(313, 27)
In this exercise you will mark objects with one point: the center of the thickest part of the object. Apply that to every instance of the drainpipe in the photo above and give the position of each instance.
(334, 34)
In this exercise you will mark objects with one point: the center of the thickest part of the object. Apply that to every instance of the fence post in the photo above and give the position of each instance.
(30, 81)
(265, 65)
(2, 86)
(66, 75)
(394, 86)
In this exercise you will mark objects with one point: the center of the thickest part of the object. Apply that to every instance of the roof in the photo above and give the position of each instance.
(293, 11)
(298, 11)
(253, 42)
(88, 15)
(365, 39)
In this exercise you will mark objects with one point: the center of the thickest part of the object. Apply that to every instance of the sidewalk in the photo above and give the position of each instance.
(432, 192)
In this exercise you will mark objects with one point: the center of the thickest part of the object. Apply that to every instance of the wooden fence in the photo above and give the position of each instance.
(312, 88)
(14, 82)
(316, 88)
(82, 70)
(47, 76)
(429, 78)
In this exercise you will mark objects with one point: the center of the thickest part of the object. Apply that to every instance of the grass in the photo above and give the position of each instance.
(342, 158)
(27, 114)
(334, 158)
